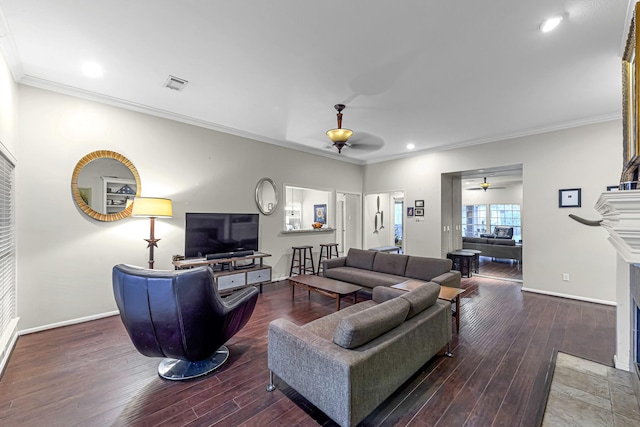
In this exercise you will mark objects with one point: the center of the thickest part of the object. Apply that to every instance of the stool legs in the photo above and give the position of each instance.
(302, 255)
(327, 251)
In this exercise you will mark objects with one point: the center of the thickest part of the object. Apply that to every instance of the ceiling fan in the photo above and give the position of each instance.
(486, 186)
(341, 137)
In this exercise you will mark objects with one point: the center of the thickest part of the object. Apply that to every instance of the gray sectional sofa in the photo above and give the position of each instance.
(371, 268)
(350, 361)
(494, 247)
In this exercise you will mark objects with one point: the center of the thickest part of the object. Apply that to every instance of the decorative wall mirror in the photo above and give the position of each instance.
(104, 184)
(266, 196)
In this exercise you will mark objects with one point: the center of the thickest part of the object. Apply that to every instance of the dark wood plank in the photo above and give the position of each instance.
(90, 373)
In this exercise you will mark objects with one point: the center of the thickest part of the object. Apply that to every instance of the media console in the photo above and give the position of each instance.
(233, 277)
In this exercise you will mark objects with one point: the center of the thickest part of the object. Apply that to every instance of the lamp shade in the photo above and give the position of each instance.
(152, 207)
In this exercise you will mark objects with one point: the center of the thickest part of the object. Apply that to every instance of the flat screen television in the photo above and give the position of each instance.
(214, 233)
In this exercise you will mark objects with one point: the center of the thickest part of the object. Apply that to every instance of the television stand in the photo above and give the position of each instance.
(235, 277)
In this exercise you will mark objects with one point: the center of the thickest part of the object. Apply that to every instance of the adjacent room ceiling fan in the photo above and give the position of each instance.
(486, 186)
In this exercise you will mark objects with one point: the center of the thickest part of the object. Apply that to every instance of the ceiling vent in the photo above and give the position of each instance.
(175, 83)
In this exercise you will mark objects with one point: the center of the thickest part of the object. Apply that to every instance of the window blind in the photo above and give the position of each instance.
(7, 244)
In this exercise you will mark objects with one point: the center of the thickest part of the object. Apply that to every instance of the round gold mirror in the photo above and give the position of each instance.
(104, 184)
(266, 196)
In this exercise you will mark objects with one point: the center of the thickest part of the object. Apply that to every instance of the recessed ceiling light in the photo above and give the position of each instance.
(92, 69)
(411, 146)
(550, 24)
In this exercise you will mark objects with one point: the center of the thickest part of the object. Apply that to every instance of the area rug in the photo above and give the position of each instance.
(586, 393)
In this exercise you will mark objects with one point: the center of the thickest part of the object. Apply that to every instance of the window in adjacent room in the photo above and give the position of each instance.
(475, 220)
(507, 215)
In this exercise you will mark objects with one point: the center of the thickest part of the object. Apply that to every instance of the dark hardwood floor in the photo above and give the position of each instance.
(90, 375)
(500, 268)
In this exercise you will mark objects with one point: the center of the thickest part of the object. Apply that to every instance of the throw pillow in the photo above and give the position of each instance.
(421, 298)
(359, 328)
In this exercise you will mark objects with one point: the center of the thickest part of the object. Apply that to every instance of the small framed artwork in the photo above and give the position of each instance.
(419, 204)
(570, 198)
(419, 212)
(410, 211)
(320, 214)
(613, 187)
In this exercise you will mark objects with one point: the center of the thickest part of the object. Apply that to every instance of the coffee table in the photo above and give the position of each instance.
(446, 293)
(324, 286)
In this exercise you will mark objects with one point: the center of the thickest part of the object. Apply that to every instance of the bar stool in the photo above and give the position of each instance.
(302, 254)
(327, 251)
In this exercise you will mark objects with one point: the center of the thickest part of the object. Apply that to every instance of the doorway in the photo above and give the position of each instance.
(477, 209)
(348, 223)
(381, 223)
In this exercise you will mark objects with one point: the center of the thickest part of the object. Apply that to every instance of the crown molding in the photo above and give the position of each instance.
(9, 50)
(141, 108)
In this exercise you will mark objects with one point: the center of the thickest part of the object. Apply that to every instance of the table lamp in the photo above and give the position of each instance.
(152, 208)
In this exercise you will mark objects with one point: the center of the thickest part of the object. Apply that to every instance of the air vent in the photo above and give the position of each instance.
(175, 83)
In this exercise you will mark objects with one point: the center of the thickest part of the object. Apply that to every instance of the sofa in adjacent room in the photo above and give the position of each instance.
(350, 361)
(494, 247)
(371, 268)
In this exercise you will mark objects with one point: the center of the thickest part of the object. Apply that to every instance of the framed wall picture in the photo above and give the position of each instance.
(419, 212)
(410, 211)
(630, 98)
(419, 204)
(570, 198)
(320, 213)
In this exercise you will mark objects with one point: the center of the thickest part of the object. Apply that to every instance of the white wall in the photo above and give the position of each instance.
(65, 258)
(8, 109)
(587, 157)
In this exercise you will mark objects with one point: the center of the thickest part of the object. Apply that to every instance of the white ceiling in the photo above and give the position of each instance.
(439, 74)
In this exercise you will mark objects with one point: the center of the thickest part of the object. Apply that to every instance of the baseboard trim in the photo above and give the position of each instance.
(558, 294)
(68, 322)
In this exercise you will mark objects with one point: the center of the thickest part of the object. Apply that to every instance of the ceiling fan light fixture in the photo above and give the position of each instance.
(339, 136)
(484, 185)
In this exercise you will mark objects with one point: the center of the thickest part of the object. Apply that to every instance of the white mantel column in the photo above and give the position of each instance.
(621, 218)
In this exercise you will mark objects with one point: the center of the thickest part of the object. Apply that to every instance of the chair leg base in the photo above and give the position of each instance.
(177, 370)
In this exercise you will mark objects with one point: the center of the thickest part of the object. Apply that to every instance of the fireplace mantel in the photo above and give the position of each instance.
(620, 211)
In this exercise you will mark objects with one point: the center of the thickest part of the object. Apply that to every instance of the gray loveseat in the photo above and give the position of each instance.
(350, 361)
(494, 247)
(371, 268)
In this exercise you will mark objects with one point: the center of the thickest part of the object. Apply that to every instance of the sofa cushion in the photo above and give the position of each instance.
(426, 268)
(421, 298)
(326, 326)
(390, 263)
(475, 239)
(359, 258)
(504, 242)
(367, 278)
(359, 328)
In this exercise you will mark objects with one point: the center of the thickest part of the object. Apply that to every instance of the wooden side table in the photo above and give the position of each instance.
(447, 293)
